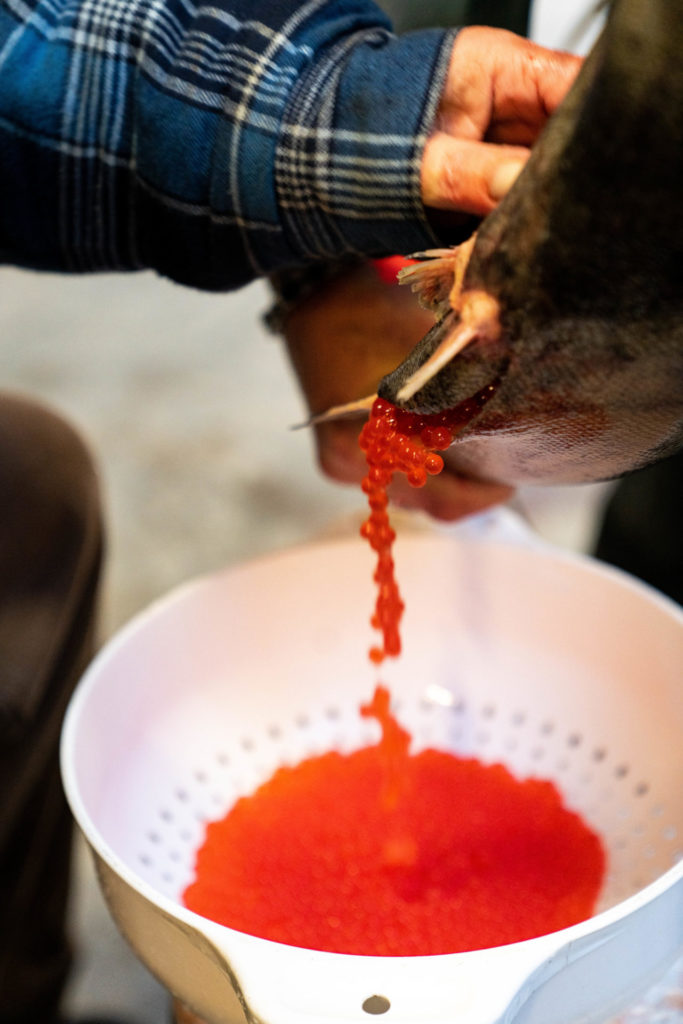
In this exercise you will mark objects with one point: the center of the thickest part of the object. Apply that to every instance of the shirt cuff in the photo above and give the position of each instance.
(347, 169)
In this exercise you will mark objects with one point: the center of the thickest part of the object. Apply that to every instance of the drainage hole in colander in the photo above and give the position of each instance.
(376, 1004)
(518, 718)
(599, 754)
(670, 832)
(166, 815)
(546, 728)
(621, 771)
(642, 789)
(574, 739)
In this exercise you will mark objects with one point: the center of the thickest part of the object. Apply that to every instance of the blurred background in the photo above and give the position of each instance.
(187, 402)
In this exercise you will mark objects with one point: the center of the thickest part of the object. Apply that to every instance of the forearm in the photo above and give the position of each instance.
(210, 147)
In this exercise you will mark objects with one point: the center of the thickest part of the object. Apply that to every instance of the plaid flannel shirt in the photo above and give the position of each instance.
(211, 142)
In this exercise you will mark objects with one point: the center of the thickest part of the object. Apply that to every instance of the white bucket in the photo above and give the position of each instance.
(513, 652)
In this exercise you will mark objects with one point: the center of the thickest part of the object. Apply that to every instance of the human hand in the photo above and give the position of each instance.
(342, 340)
(499, 92)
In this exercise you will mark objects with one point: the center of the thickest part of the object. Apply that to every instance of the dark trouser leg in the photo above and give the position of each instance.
(50, 553)
(641, 527)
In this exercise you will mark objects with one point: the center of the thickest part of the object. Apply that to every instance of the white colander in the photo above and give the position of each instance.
(512, 651)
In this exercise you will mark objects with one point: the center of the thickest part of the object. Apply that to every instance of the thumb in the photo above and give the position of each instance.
(461, 174)
(503, 177)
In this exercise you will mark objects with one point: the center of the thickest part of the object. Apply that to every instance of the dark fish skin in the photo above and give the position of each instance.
(584, 257)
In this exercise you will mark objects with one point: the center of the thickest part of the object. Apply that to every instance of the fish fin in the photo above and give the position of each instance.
(478, 317)
(431, 254)
(438, 280)
(432, 282)
(338, 412)
(453, 343)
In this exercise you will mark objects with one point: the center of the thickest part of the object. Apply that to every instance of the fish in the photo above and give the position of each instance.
(569, 295)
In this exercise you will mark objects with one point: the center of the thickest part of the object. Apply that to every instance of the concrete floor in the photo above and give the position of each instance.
(187, 403)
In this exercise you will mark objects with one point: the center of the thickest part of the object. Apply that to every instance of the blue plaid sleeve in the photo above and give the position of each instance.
(212, 142)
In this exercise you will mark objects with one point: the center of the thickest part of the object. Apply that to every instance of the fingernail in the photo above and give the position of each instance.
(504, 178)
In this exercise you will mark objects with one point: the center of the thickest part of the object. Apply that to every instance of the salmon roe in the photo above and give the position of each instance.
(387, 853)
(380, 852)
(397, 441)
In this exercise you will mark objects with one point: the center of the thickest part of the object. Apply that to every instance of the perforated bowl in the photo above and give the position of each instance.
(513, 652)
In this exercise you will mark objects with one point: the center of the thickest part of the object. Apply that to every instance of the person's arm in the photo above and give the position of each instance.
(345, 328)
(213, 144)
(341, 339)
